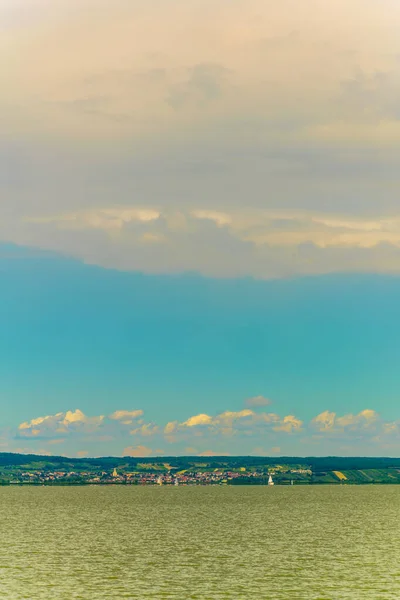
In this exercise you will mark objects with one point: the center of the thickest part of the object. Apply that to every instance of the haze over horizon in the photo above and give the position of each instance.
(200, 227)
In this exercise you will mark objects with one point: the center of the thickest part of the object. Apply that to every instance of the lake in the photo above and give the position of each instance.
(208, 543)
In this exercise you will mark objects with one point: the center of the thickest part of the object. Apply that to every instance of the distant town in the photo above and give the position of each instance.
(18, 469)
(121, 476)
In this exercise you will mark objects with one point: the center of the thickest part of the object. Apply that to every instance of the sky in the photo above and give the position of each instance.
(199, 227)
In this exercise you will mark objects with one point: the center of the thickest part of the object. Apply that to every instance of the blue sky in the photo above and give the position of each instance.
(199, 226)
(100, 341)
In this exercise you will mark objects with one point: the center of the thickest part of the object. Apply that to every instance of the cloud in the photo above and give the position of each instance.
(59, 424)
(257, 401)
(237, 242)
(171, 427)
(256, 226)
(324, 421)
(372, 97)
(257, 59)
(231, 423)
(364, 419)
(391, 428)
(137, 451)
(218, 218)
(246, 429)
(203, 83)
(349, 432)
(106, 219)
(145, 430)
(289, 424)
(329, 421)
(201, 419)
(60, 427)
(290, 168)
(126, 417)
(240, 414)
(226, 418)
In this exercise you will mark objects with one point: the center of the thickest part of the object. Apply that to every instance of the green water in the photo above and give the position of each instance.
(208, 543)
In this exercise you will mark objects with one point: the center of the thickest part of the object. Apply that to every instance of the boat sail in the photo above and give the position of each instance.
(270, 480)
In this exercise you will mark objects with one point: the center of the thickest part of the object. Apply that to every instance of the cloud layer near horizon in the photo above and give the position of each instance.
(230, 138)
(258, 432)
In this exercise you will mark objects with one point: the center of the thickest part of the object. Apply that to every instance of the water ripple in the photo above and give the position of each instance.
(203, 543)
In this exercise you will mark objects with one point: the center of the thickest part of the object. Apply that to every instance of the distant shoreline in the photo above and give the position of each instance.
(38, 470)
(214, 485)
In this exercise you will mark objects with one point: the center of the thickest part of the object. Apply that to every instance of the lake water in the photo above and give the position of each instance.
(209, 543)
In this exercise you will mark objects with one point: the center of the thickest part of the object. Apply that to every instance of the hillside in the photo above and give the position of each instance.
(236, 470)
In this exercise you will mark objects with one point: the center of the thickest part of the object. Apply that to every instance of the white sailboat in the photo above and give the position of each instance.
(176, 482)
(270, 480)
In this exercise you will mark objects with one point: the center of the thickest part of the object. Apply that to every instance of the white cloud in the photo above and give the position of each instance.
(145, 430)
(225, 419)
(201, 419)
(126, 417)
(63, 424)
(60, 424)
(364, 419)
(329, 421)
(246, 429)
(171, 427)
(289, 424)
(257, 401)
(230, 423)
(324, 421)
